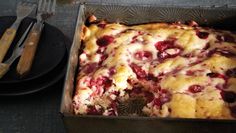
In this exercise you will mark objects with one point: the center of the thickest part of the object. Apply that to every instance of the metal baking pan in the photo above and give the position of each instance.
(219, 17)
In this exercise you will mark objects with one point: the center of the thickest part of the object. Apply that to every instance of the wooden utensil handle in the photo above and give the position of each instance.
(3, 69)
(5, 42)
(29, 51)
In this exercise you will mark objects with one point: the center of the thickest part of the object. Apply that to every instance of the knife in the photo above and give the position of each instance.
(4, 67)
(28, 54)
(23, 10)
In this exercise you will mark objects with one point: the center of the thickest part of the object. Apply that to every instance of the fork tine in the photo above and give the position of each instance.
(23, 3)
(48, 6)
(19, 2)
(39, 5)
(54, 6)
(44, 5)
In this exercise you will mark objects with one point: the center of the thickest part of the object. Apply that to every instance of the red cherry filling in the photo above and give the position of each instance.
(108, 83)
(190, 73)
(164, 97)
(143, 55)
(117, 93)
(231, 72)
(202, 35)
(91, 110)
(149, 96)
(101, 50)
(134, 39)
(228, 96)
(103, 57)
(112, 111)
(101, 82)
(195, 88)
(112, 71)
(102, 25)
(163, 45)
(105, 40)
(137, 90)
(169, 53)
(151, 77)
(89, 68)
(141, 74)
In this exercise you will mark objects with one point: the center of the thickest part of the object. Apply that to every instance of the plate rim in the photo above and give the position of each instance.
(43, 73)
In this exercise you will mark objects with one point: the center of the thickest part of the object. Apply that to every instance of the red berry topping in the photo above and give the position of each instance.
(108, 83)
(163, 45)
(157, 102)
(228, 96)
(137, 90)
(93, 111)
(89, 68)
(134, 39)
(164, 97)
(169, 53)
(102, 25)
(112, 71)
(190, 73)
(162, 55)
(152, 77)
(113, 108)
(103, 57)
(195, 88)
(149, 96)
(101, 82)
(141, 74)
(101, 50)
(117, 93)
(105, 40)
(202, 35)
(143, 55)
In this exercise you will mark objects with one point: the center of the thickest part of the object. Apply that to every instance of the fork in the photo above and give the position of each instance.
(46, 9)
(23, 9)
(4, 67)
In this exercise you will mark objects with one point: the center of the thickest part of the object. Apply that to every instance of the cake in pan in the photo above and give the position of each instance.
(178, 70)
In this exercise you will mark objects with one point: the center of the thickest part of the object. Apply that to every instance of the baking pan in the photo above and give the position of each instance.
(220, 17)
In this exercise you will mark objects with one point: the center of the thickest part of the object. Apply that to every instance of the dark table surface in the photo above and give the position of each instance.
(39, 112)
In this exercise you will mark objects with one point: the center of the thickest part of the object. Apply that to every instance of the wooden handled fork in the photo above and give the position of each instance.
(45, 10)
(23, 10)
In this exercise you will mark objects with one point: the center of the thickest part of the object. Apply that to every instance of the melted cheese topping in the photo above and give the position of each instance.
(179, 70)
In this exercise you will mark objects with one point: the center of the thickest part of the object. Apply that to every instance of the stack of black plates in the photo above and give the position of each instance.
(49, 64)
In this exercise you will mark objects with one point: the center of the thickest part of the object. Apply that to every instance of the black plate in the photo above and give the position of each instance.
(50, 52)
(36, 85)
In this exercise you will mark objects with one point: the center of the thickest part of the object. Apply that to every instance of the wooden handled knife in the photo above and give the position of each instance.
(29, 51)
